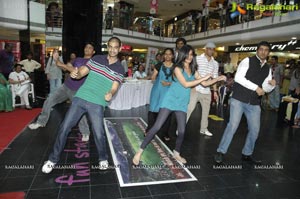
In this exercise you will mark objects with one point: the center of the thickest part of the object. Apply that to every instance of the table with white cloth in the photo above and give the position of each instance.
(132, 94)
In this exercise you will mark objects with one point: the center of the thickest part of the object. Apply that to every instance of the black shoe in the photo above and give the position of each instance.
(250, 159)
(219, 158)
(17, 99)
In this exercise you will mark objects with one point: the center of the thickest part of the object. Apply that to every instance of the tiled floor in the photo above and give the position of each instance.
(275, 145)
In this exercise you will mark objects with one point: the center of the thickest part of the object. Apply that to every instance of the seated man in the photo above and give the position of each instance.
(21, 84)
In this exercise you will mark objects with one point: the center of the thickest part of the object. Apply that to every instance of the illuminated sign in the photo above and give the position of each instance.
(275, 47)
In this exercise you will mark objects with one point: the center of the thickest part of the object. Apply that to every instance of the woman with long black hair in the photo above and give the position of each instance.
(184, 77)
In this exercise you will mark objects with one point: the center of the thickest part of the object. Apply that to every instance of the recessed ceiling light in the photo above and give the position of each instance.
(237, 43)
(294, 38)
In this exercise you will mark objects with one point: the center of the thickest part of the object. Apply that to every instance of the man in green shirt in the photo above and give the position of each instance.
(105, 74)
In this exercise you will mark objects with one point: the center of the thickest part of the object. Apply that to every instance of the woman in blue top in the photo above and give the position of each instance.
(162, 75)
(185, 76)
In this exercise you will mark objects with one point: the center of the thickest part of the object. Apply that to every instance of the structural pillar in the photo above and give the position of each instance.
(82, 22)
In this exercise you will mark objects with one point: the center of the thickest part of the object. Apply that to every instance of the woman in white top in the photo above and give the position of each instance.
(21, 84)
(53, 72)
(140, 73)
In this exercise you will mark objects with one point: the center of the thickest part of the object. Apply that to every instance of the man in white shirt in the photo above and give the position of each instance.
(252, 80)
(206, 65)
(29, 65)
(21, 84)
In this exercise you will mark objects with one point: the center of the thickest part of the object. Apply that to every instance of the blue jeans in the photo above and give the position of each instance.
(274, 97)
(54, 84)
(252, 113)
(78, 108)
(62, 94)
(298, 111)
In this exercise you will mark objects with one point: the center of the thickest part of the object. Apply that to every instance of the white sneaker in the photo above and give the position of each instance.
(177, 156)
(85, 138)
(103, 165)
(48, 166)
(206, 132)
(35, 126)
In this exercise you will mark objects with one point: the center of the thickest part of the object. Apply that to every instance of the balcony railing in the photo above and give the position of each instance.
(54, 19)
(215, 20)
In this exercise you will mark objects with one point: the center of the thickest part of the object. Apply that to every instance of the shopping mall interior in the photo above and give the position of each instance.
(146, 28)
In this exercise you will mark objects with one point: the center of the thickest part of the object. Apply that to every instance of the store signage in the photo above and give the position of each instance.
(153, 7)
(241, 9)
(275, 47)
(126, 48)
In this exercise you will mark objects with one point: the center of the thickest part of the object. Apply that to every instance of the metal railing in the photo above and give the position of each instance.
(54, 19)
(185, 27)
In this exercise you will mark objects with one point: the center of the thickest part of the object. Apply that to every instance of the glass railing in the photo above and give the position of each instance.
(215, 20)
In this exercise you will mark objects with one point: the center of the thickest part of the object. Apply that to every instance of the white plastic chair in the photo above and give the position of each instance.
(14, 94)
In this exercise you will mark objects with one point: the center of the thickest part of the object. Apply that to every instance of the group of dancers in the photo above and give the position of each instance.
(173, 81)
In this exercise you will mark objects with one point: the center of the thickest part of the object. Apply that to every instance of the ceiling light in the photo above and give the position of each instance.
(294, 38)
(175, 19)
(237, 43)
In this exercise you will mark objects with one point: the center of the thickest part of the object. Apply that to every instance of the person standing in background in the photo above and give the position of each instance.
(124, 63)
(229, 67)
(6, 60)
(54, 73)
(109, 18)
(178, 44)
(277, 75)
(287, 75)
(29, 65)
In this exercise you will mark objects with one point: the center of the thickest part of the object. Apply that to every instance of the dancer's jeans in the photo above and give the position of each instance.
(54, 84)
(274, 97)
(252, 113)
(62, 94)
(161, 118)
(78, 108)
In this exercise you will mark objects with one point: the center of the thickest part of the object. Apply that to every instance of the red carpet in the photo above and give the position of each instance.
(12, 195)
(12, 123)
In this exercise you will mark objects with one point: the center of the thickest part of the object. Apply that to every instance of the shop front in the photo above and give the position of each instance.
(285, 50)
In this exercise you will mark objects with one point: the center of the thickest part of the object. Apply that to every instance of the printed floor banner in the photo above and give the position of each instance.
(157, 165)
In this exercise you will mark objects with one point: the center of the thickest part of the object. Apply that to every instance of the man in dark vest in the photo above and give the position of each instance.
(252, 80)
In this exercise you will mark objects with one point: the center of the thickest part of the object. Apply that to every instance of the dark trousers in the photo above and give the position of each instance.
(164, 130)
(282, 113)
(161, 118)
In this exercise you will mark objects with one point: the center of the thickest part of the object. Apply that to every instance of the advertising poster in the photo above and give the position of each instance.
(157, 165)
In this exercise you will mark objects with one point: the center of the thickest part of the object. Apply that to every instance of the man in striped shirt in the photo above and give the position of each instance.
(206, 65)
(105, 74)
